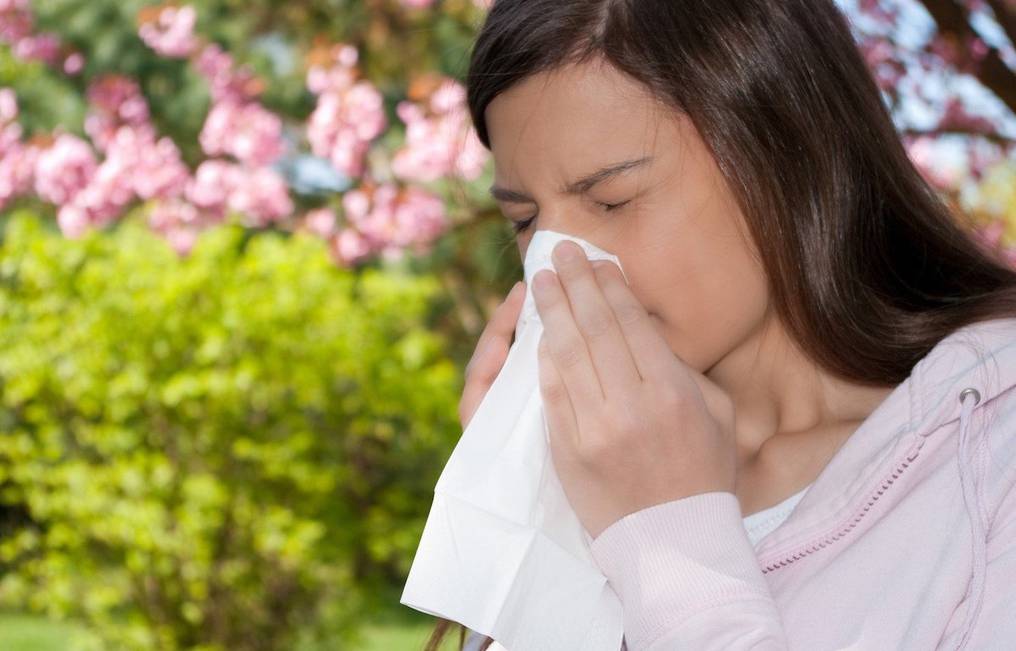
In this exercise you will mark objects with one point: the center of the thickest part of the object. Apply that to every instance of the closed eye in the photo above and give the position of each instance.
(521, 226)
(611, 206)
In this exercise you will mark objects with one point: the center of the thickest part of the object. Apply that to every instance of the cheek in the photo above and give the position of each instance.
(702, 304)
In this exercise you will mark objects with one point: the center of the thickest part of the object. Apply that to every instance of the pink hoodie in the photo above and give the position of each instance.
(906, 540)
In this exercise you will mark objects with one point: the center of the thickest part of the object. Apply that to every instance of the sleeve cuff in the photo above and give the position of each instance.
(674, 559)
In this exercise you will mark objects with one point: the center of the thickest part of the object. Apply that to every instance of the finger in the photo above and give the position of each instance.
(566, 345)
(481, 375)
(652, 356)
(594, 316)
(490, 353)
(501, 325)
(562, 426)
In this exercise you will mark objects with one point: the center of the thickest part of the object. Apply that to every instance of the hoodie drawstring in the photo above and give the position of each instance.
(971, 497)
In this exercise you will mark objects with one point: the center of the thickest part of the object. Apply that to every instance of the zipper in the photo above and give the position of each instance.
(843, 530)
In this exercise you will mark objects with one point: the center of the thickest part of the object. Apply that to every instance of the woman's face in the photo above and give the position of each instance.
(677, 230)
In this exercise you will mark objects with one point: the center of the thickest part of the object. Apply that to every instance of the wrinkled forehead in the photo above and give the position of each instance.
(582, 113)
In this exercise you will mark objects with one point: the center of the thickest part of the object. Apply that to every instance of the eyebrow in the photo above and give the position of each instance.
(576, 187)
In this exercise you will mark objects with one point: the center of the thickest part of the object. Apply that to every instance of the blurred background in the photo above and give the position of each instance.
(246, 250)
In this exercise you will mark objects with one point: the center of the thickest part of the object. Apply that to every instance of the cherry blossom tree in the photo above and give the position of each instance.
(391, 137)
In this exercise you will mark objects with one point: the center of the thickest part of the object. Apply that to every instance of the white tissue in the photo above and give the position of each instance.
(502, 551)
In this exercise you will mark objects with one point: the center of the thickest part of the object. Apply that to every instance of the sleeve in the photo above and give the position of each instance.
(688, 578)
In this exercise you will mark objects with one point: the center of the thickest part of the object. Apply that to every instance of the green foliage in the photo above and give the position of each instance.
(224, 451)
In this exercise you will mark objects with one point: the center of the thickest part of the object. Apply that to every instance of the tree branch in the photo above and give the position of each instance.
(996, 138)
(953, 20)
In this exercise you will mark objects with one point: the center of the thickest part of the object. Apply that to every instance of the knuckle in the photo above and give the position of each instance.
(595, 450)
(553, 392)
(628, 313)
(623, 422)
(571, 353)
(597, 323)
(667, 398)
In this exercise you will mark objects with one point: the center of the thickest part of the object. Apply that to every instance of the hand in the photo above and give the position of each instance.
(630, 424)
(490, 352)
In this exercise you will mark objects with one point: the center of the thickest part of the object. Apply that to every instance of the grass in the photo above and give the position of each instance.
(32, 633)
(401, 632)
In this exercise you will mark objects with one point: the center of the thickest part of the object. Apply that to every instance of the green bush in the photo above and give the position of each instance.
(225, 451)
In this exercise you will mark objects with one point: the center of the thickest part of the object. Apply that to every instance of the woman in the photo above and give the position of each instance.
(823, 456)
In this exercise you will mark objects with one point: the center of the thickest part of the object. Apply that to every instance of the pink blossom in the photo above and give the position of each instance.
(38, 47)
(965, 54)
(883, 61)
(72, 220)
(320, 221)
(17, 160)
(956, 116)
(349, 113)
(16, 24)
(876, 10)
(338, 75)
(981, 155)
(158, 170)
(261, 197)
(259, 194)
(349, 247)
(115, 183)
(171, 34)
(420, 216)
(179, 222)
(8, 106)
(246, 131)
(440, 139)
(103, 200)
(17, 167)
(115, 101)
(182, 239)
(236, 125)
(225, 81)
(97, 204)
(212, 184)
(10, 136)
(343, 124)
(356, 204)
(922, 153)
(449, 96)
(389, 217)
(417, 4)
(74, 63)
(472, 157)
(63, 169)
(16, 21)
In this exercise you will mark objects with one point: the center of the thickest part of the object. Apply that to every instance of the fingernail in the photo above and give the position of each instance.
(542, 281)
(567, 252)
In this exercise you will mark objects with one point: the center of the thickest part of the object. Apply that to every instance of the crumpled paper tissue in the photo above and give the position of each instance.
(502, 552)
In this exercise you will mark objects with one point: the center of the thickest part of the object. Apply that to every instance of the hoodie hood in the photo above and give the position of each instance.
(979, 356)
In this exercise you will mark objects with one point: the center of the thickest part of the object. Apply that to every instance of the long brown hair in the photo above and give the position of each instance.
(867, 267)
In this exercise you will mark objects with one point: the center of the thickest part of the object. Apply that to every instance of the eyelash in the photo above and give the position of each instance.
(519, 227)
